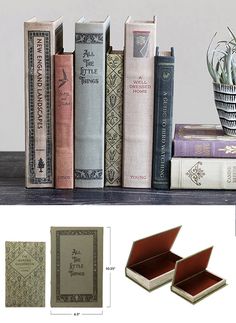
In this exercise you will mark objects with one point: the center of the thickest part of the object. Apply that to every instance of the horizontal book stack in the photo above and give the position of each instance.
(204, 158)
(97, 117)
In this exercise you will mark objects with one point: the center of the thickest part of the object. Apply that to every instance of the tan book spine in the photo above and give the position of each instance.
(42, 41)
(140, 44)
(64, 120)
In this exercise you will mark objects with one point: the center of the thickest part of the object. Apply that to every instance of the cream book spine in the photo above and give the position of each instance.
(203, 173)
(140, 44)
(42, 40)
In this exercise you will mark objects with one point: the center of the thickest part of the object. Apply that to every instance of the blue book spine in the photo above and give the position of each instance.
(163, 114)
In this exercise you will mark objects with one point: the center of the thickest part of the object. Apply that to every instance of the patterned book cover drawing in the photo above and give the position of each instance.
(25, 274)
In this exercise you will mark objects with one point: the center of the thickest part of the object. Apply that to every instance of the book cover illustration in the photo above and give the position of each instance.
(76, 264)
(25, 274)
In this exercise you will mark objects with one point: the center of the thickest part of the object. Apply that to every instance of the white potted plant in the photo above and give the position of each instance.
(221, 63)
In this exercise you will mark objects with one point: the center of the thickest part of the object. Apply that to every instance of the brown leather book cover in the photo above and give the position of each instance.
(192, 280)
(151, 262)
(64, 120)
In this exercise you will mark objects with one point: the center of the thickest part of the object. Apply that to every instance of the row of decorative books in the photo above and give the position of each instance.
(97, 117)
(204, 158)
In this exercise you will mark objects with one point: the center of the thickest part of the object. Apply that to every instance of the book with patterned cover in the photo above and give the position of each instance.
(76, 266)
(114, 117)
(25, 274)
(140, 45)
(203, 173)
(91, 46)
(42, 41)
(64, 120)
(203, 140)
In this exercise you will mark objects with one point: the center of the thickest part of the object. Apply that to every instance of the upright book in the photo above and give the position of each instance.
(163, 112)
(76, 266)
(114, 118)
(140, 45)
(64, 120)
(202, 140)
(203, 173)
(91, 45)
(42, 41)
(25, 274)
(191, 278)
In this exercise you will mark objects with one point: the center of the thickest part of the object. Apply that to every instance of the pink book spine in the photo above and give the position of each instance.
(64, 121)
(140, 45)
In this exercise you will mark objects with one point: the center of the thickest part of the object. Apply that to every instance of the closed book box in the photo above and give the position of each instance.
(91, 45)
(76, 266)
(192, 280)
(42, 41)
(140, 45)
(151, 262)
(64, 120)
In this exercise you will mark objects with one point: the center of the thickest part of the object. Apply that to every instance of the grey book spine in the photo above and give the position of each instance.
(91, 45)
(42, 41)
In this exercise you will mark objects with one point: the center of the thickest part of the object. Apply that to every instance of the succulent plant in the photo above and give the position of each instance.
(221, 61)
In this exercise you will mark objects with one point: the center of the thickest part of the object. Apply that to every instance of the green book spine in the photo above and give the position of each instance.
(114, 113)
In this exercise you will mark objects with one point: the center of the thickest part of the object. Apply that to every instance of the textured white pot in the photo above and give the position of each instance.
(225, 101)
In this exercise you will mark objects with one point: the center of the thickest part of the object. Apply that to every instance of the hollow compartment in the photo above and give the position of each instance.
(156, 266)
(198, 283)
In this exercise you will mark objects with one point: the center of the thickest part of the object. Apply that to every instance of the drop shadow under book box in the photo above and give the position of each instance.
(151, 262)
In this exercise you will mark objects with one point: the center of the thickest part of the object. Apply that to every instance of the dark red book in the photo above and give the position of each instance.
(64, 120)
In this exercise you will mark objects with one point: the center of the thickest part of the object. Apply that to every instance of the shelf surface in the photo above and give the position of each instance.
(13, 192)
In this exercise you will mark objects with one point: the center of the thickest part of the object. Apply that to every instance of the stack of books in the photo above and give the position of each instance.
(97, 117)
(204, 158)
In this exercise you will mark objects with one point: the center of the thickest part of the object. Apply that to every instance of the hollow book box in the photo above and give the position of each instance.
(191, 279)
(151, 262)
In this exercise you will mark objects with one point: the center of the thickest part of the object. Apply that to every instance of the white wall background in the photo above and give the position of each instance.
(188, 25)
